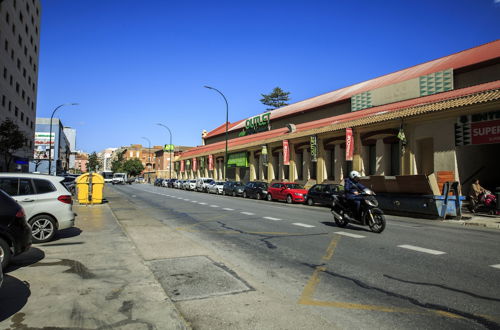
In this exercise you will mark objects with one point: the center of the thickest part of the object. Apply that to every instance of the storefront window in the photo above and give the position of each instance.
(299, 164)
(314, 166)
(331, 168)
(372, 159)
(395, 159)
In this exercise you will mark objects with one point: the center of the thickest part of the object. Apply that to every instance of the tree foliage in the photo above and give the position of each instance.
(93, 164)
(276, 99)
(133, 167)
(11, 140)
(117, 162)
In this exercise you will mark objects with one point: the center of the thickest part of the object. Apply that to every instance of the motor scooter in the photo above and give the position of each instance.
(370, 214)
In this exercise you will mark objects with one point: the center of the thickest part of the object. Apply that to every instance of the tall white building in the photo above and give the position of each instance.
(19, 49)
(71, 136)
(106, 158)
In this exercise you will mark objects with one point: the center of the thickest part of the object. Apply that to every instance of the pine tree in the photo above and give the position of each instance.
(11, 140)
(276, 99)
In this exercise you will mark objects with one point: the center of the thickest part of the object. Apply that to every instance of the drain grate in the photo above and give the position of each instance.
(197, 277)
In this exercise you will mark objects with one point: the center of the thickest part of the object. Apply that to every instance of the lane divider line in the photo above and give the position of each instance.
(202, 203)
(420, 249)
(247, 213)
(271, 218)
(349, 234)
(214, 205)
(228, 209)
(495, 266)
(302, 225)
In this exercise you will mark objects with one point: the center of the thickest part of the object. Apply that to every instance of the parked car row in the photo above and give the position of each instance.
(290, 192)
(33, 207)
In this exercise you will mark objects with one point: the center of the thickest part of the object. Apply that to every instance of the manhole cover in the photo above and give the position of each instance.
(196, 278)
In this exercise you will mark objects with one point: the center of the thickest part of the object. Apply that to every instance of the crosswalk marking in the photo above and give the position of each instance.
(271, 218)
(302, 225)
(349, 234)
(420, 249)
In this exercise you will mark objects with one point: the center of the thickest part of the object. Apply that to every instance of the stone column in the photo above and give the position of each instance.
(293, 164)
(380, 148)
(306, 159)
(237, 174)
(252, 166)
(321, 174)
(338, 162)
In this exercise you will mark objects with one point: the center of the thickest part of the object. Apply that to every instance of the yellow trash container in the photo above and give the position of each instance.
(89, 187)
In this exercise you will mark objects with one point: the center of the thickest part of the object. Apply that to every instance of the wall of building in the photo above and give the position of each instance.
(19, 46)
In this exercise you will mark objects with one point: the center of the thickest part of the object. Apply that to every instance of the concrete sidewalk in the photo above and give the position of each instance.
(478, 220)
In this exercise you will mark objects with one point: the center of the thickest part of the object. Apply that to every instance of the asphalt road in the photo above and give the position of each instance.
(416, 274)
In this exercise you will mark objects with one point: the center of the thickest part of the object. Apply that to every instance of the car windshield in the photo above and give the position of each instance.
(294, 186)
(219, 183)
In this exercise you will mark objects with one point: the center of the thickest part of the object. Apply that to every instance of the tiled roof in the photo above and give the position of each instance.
(437, 102)
(455, 61)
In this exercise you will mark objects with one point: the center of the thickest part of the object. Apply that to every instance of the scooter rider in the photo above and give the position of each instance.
(353, 189)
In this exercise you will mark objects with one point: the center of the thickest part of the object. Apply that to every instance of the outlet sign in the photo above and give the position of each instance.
(257, 124)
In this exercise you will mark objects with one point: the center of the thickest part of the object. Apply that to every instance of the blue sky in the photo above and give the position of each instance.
(131, 64)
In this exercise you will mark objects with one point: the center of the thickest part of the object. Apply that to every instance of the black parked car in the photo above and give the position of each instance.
(158, 182)
(323, 194)
(255, 189)
(233, 188)
(15, 233)
(171, 182)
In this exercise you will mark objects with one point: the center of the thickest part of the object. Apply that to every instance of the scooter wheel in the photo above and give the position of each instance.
(378, 225)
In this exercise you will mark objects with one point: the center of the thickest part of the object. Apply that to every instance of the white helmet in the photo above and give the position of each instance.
(354, 175)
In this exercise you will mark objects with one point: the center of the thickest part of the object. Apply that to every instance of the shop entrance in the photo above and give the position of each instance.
(479, 161)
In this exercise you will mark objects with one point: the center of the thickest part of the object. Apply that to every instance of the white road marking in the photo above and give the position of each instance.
(349, 234)
(302, 225)
(194, 201)
(187, 200)
(495, 266)
(247, 213)
(419, 249)
(202, 203)
(214, 205)
(228, 209)
(271, 218)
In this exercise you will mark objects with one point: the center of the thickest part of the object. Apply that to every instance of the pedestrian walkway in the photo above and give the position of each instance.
(478, 220)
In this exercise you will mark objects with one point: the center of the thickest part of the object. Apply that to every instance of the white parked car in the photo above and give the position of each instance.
(191, 185)
(202, 184)
(46, 201)
(216, 187)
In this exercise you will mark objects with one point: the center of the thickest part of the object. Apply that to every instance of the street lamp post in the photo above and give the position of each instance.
(170, 149)
(227, 123)
(50, 135)
(149, 156)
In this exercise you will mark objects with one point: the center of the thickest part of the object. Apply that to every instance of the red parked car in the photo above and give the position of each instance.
(287, 191)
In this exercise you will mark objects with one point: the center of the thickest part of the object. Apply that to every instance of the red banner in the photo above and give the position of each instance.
(349, 144)
(195, 164)
(210, 162)
(286, 153)
(182, 166)
(485, 132)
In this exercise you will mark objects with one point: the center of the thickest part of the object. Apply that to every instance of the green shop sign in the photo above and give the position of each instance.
(238, 159)
(168, 147)
(257, 124)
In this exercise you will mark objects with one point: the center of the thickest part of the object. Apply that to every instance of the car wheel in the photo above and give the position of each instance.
(43, 228)
(289, 199)
(5, 253)
(269, 197)
(310, 202)
(245, 194)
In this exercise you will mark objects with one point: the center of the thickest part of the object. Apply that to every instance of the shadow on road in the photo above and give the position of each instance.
(14, 294)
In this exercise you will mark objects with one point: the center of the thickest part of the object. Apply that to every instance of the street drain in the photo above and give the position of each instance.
(197, 277)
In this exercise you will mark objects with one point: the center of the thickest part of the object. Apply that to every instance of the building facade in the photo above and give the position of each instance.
(53, 145)
(441, 117)
(81, 161)
(165, 165)
(71, 136)
(19, 49)
(106, 158)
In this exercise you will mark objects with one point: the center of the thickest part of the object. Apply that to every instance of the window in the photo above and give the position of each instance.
(395, 159)
(26, 187)
(372, 159)
(9, 185)
(6, 45)
(3, 100)
(43, 186)
(16, 111)
(5, 73)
